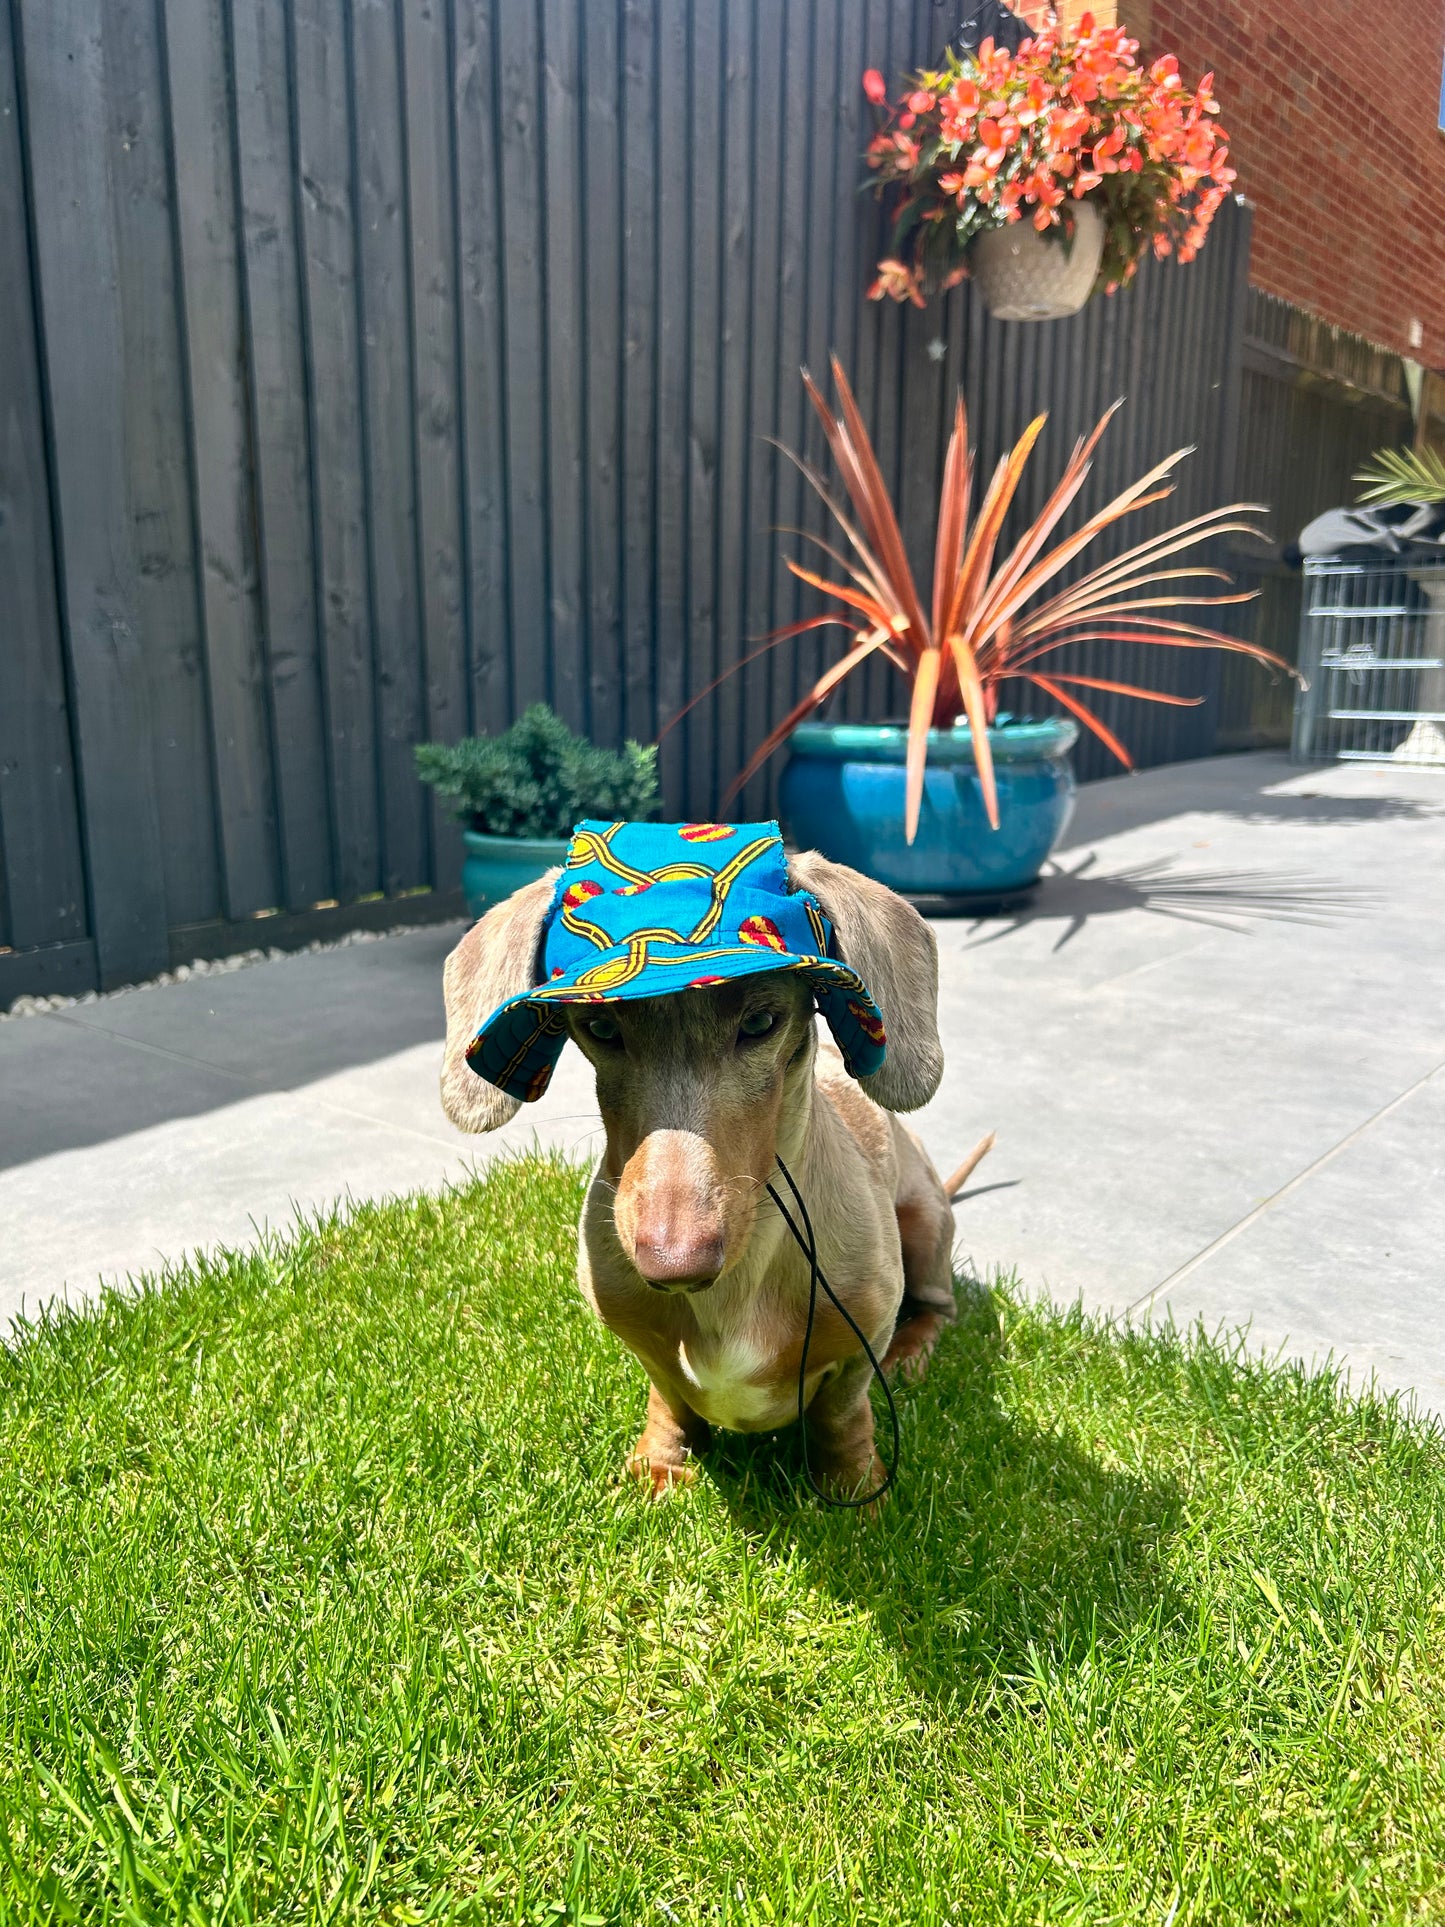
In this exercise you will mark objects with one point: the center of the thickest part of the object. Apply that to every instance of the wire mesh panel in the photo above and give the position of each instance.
(1372, 649)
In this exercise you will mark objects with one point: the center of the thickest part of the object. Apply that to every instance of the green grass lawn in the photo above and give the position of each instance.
(323, 1599)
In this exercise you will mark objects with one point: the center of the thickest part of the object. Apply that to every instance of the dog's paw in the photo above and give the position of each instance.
(851, 1478)
(660, 1475)
(912, 1346)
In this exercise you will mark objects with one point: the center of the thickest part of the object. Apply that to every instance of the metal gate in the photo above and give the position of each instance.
(1372, 647)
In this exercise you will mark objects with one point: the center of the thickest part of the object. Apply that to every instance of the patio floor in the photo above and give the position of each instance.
(1213, 1050)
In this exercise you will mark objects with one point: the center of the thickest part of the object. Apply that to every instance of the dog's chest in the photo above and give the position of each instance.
(730, 1380)
(745, 1377)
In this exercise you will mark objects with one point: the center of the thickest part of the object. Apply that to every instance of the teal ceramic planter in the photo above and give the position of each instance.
(495, 866)
(843, 788)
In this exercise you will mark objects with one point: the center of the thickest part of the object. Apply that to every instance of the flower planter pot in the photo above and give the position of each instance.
(842, 793)
(1023, 275)
(495, 866)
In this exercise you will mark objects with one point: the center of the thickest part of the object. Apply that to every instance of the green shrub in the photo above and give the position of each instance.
(538, 779)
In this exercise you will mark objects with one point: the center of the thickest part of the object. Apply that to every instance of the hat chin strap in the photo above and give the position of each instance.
(808, 1244)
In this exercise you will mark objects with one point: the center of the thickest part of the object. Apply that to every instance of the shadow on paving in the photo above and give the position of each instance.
(1002, 1540)
(106, 1069)
(1220, 899)
(1242, 789)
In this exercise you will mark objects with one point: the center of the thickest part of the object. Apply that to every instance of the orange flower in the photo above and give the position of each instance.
(1036, 99)
(875, 86)
(993, 143)
(898, 280)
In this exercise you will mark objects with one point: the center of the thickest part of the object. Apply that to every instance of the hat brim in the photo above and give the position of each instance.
(518, 1046)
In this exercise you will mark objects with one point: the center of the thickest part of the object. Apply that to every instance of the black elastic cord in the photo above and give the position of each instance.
(809, 1247)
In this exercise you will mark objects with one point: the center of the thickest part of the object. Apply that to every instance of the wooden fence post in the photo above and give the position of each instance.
(64, 67)
(42, 879)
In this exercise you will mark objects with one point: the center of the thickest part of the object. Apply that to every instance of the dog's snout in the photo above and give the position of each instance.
(670, 1212)
(674, 1259)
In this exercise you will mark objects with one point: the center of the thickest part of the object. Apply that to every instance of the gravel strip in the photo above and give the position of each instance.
(202, 967)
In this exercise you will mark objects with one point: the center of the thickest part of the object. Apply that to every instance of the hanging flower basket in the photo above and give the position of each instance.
(1027, 276)
(1021, 168)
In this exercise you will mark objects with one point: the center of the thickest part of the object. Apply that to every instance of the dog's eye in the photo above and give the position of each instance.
(603, 1029)
(758, 1023)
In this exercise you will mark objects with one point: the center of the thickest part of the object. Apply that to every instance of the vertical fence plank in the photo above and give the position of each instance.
(699, 666)
(387, 435)
(734, 351)
(866, 691)
(484, 437)
(639, 323)
(157, 458)
(42, 883)
(801, 166)
(602, 255)
(199, 106)
(565, 190)
(852, 224)
(525, 345)
(63, 62)
(825, 106)
(280, 447)
(433, 217)
(675, 157)
(762, 401)
(324, 158)
(1227, 342)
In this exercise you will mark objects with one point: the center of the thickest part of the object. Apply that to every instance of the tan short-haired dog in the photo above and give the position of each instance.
(681, 1251)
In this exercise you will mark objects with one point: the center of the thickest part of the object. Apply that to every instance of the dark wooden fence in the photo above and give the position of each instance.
(373, 368)
(1317, 403)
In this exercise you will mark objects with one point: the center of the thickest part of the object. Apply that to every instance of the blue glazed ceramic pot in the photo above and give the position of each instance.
(495, 866)
(842, 793)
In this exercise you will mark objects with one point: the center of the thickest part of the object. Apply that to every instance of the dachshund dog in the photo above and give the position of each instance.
(681, 1252)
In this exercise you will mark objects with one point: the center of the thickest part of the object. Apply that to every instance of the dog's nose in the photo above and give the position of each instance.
(679, 1261)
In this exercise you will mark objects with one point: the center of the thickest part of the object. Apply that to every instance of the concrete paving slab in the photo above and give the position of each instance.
(1350, 1263)
(223, 1173)
(1171, 1075)
(284, 1023)
(1237, 970)
(1130, 1139)
(65, 1084)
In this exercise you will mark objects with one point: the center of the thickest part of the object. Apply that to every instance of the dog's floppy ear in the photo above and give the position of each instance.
(495, 960)
(893, 950)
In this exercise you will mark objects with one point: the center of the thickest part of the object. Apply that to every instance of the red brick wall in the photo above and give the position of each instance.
(1332, 109)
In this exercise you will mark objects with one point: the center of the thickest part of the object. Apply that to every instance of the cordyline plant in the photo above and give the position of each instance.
(982, 621)
(992, 138)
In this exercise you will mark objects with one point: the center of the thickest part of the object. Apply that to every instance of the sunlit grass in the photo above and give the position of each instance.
(323, 1599)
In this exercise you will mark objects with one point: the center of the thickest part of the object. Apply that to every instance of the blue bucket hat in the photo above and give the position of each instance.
(649, 909)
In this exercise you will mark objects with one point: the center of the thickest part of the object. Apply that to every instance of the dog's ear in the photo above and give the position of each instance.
(495, 960)
(893, 950)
